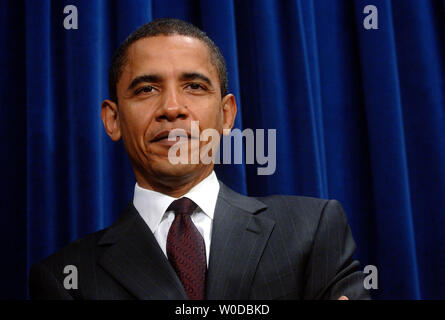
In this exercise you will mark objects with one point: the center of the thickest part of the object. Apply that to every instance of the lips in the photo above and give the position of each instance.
(178, 133)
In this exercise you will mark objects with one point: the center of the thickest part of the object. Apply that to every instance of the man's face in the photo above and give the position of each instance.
(166, 83)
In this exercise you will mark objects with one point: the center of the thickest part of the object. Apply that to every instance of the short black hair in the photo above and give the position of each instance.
(165, 26)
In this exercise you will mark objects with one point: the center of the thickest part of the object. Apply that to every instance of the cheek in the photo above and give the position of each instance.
(218, 118)
(135, 121)
(209, 116)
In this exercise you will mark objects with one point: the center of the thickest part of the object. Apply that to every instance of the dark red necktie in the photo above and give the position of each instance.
(186, 249)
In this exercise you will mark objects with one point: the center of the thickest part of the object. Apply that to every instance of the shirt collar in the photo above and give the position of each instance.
(152, 205)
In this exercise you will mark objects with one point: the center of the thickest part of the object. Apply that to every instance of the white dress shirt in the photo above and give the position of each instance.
(152, 207)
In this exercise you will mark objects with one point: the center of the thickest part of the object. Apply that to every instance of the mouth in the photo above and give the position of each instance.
(177, 134)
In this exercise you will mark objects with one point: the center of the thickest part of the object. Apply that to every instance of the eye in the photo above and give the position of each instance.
(145, 89)
(196, 86)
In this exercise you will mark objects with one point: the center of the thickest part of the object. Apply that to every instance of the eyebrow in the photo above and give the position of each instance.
(196, 75)
(144, 78)
(154, 78)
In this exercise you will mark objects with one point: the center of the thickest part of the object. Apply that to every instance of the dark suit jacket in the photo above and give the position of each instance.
(276, 247)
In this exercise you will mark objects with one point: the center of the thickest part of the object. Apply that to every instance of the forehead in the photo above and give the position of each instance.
(168, 55)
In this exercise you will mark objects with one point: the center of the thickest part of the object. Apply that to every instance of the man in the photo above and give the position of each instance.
(186, 235)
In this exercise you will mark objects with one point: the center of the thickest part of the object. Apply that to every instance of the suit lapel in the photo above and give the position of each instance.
(136, 261)
(238, 240)
(239, 236)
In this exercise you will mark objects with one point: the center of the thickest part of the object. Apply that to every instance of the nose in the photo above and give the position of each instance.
(172, 108)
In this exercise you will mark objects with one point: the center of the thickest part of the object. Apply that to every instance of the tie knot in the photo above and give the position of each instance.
(183, 206)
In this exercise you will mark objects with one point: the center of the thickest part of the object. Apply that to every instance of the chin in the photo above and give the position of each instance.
(168, 170)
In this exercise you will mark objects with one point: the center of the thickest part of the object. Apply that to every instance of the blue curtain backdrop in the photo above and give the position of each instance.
(359, 117)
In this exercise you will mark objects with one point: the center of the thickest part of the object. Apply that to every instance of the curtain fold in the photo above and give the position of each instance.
(383, 105)
(214, 15)
(358, 114)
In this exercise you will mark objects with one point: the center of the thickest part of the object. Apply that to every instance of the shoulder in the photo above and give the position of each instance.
(309, 208)
(306, 210)
(46, 277)
(287, 210)
(292, 203)
(72, 254)
(86, 249)
(299, 211)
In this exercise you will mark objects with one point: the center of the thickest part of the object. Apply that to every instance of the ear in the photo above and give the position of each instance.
(229, 112)
(110, 119)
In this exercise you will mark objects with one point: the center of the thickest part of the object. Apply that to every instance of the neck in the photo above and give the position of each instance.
(174, 187)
